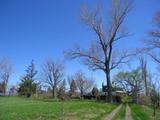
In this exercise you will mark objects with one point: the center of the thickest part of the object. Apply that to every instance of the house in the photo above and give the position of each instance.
(13, 91)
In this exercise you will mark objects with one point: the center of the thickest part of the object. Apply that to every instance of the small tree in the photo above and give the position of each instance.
(83, 84)
(73, 86)
(154, 99)
(95, 92)
(5, 73)
(28, 86)
(61, 90)
(52, 75)
(62, 96)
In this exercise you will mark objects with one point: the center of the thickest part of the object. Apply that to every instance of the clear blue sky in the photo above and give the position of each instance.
(40, 29)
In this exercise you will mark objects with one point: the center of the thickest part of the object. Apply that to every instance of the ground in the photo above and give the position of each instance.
(19, 108)
(16, 108)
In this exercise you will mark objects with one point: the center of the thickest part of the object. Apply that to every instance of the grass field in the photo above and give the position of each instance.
(16, 108)
(140, 112)
(121, 114)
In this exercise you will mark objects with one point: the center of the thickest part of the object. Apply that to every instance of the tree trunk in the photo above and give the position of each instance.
(81, 93)
(158, 100)
(54, 93)
(146, 87)
(134, 94)
(4, 90)
(109, 89)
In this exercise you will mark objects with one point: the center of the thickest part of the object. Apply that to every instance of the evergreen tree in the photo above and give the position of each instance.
(61, 91)
(28, 86)
(73, 88)
(95, 92)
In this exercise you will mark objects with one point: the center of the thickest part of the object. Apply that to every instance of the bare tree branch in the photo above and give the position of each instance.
(101, 59)
(53, 74)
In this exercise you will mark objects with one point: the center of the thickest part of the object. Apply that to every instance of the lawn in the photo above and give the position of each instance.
(17, 108)
(121, 114)
(140, 112)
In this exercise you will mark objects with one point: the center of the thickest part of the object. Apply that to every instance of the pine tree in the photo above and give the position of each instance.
(28, 86)
(73, 88)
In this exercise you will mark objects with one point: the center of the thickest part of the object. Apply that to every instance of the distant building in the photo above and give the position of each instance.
(1, 93)
(13, 91)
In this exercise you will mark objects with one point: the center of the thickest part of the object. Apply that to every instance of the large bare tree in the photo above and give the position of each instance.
(53, 75)
(102, 55)
(5, 73)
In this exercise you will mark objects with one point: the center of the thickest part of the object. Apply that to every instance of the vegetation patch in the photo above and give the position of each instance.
(140, 112)
(18, 108)
(121, 114)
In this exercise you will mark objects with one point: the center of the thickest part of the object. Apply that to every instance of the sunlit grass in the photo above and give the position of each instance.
(140, 112)
(16, 108)
(121, 114)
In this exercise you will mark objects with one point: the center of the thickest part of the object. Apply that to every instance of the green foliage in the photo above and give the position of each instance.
(73, 88)
(141, 112)
(28, 86)
(31, 72)
(18, 108)
(127, 99)
(61, 91)
(131, 82)
(121, 114)
(95, 92)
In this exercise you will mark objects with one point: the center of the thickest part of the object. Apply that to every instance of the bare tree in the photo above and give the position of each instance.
(143, 65)
(83, 84)
(102, 54)
(5, 73)
(153, 95)
(53, 75)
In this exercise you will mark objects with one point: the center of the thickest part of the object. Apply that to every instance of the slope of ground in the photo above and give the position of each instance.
(140, 112)
(16, 108)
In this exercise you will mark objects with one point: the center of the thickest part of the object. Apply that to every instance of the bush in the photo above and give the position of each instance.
(95, 92)
(127, 99)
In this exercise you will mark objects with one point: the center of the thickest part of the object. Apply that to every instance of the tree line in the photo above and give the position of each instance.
(52, 76)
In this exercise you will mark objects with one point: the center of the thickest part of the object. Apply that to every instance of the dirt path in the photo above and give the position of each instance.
(128, 113)
(113, 113)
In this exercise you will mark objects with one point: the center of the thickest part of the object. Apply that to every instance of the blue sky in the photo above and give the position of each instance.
(41, 29)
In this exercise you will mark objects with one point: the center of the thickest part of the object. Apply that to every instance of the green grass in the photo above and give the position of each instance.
(140, 112)
(121, 114)
(17, 108)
